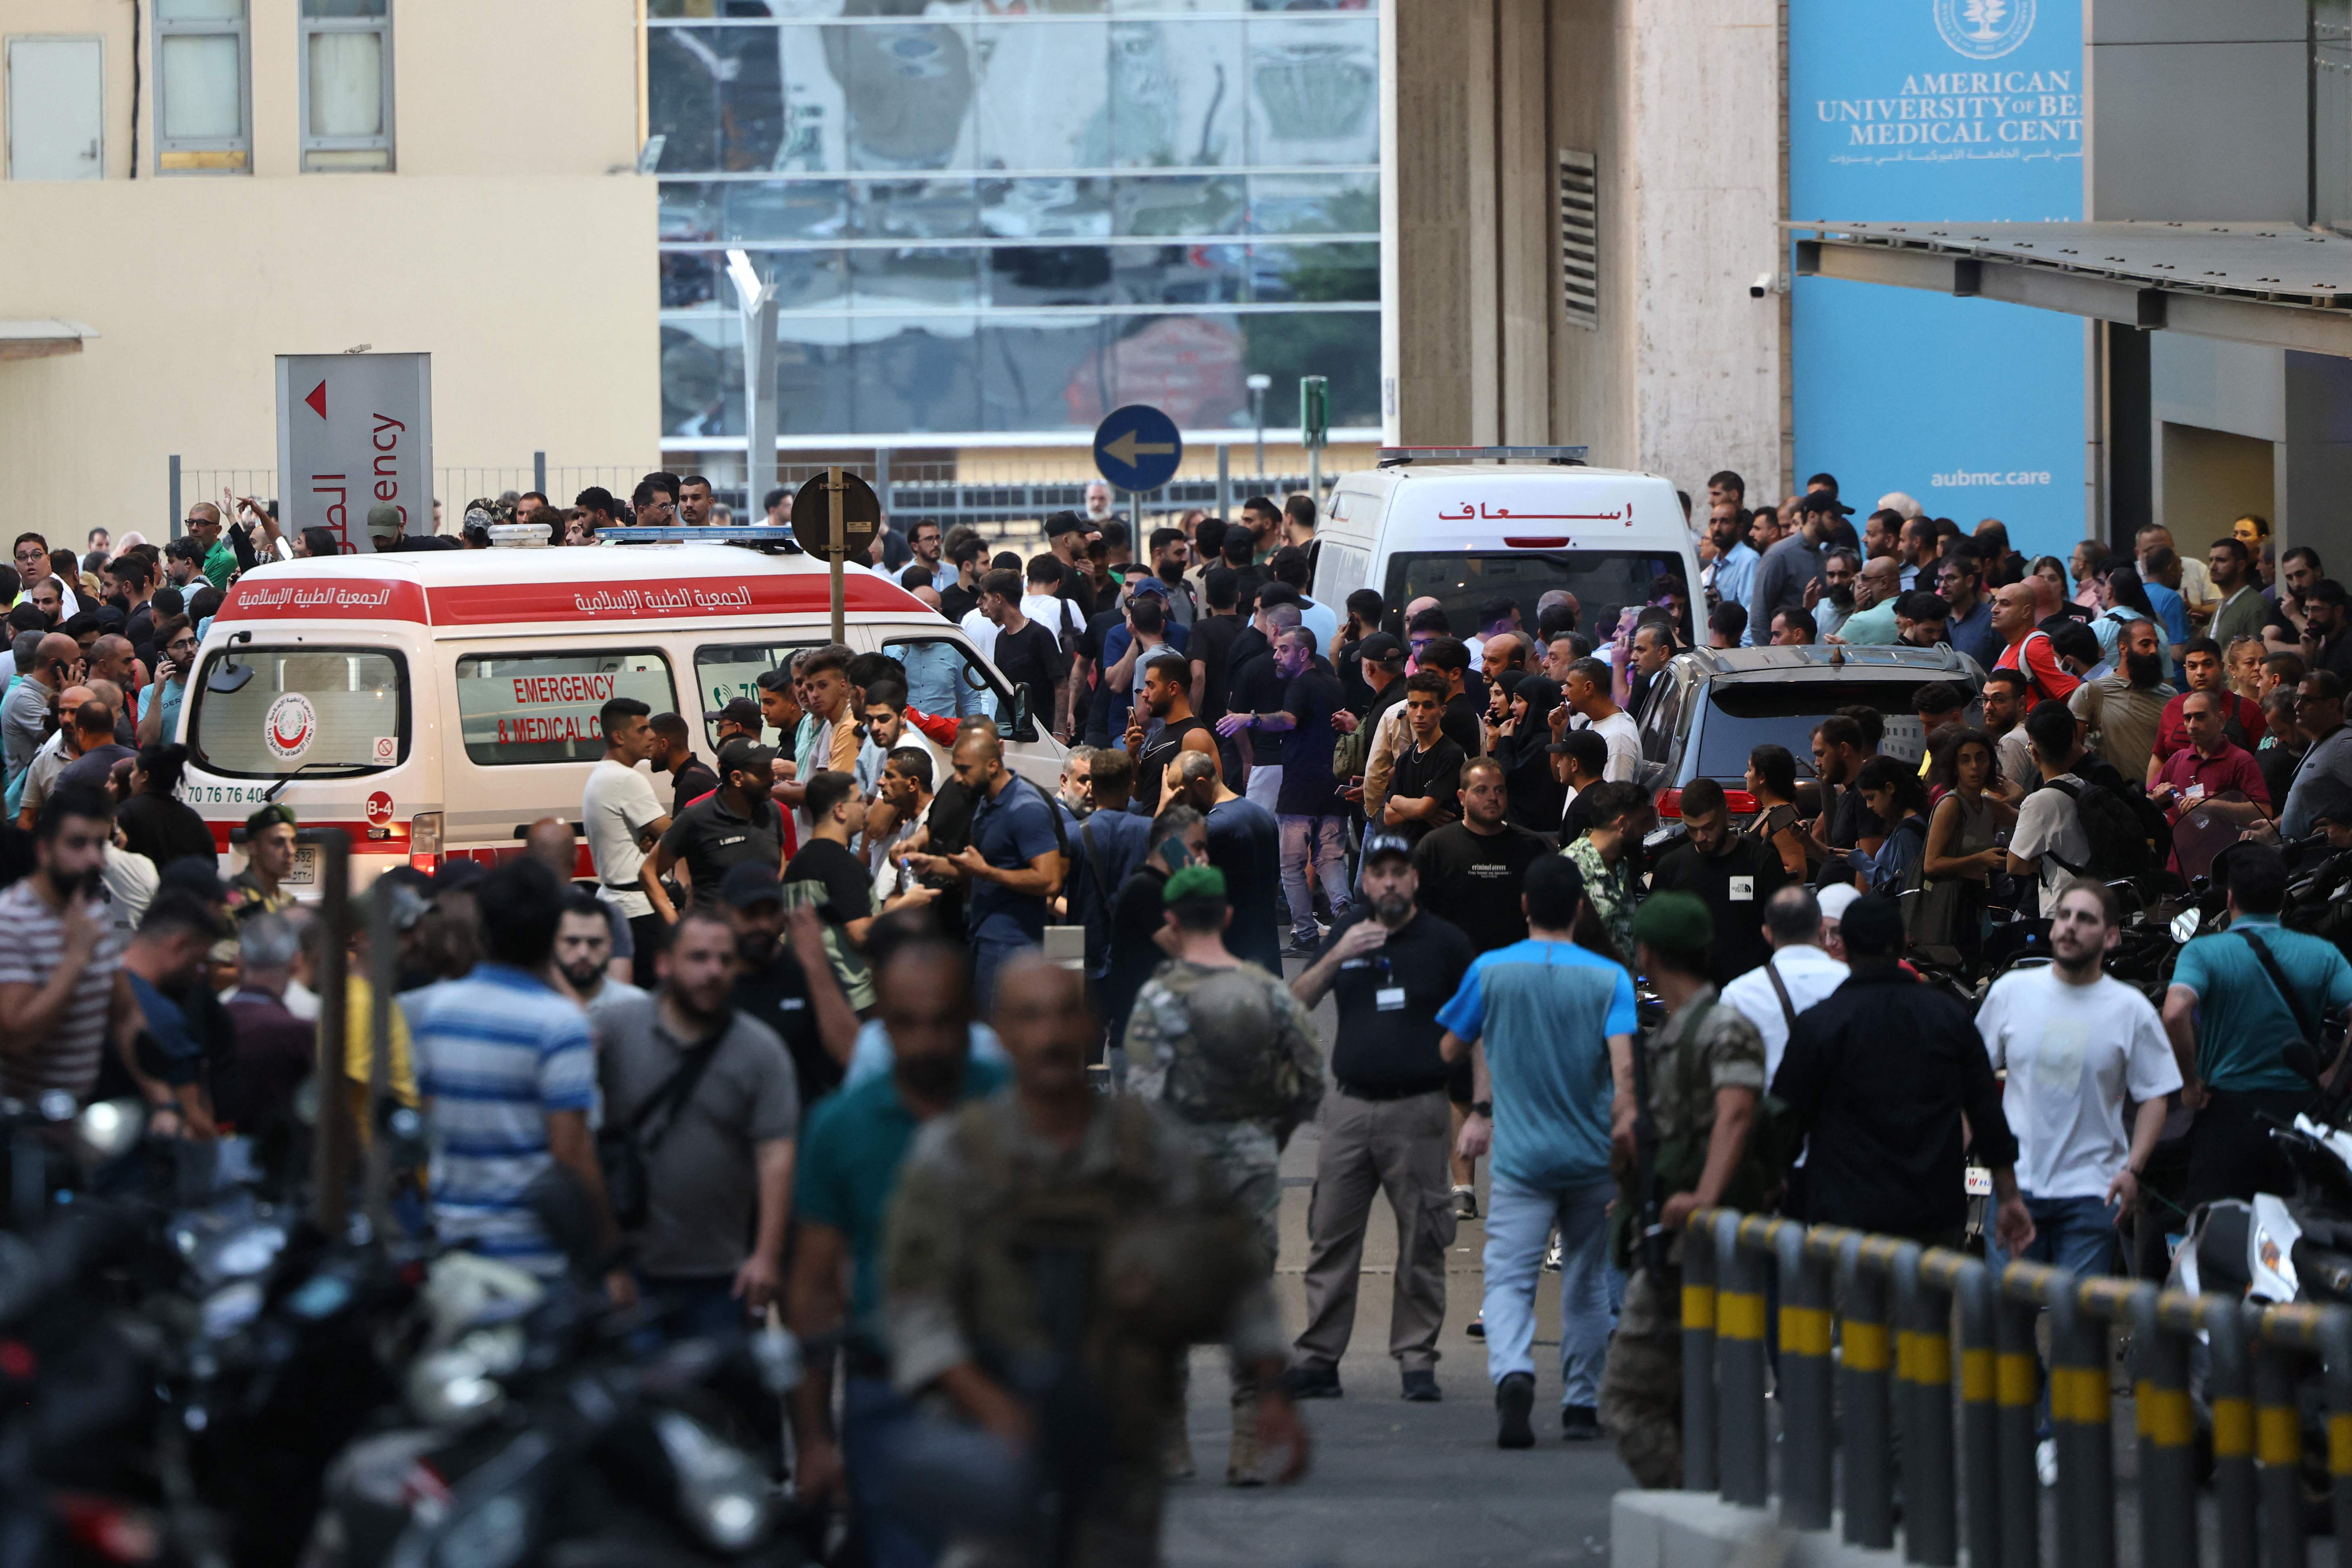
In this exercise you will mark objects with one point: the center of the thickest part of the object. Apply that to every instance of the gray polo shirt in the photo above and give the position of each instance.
(703, 1175)
(24, 724)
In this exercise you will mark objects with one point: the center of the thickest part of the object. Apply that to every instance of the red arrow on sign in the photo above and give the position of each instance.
(318, 400)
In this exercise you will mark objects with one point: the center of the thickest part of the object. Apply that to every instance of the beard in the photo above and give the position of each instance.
(1841, 595)
(582, 975)
(2143, 669)
(1392, 908)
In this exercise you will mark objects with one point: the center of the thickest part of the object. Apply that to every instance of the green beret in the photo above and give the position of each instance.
(1194, 883)
(1674, 922)
(270, 816)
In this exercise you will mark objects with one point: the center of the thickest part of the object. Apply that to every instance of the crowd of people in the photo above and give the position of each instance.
(798, 1044)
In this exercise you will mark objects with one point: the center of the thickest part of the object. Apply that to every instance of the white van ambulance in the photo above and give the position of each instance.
(1469, 525)
(429, 704)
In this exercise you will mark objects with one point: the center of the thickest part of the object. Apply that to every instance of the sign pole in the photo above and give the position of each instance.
(840, 548)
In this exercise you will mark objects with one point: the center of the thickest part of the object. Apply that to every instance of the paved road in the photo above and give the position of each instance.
(1396, 1483)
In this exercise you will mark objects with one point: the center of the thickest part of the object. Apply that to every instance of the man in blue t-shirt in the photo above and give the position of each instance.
(850, 1157)
(1014, 863)
(2231, 1024)
(1549, 1026)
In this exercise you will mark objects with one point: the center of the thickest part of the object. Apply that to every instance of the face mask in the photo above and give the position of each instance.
(930, 1077)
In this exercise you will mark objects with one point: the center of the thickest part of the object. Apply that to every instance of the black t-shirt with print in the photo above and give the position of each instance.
(1472, 880)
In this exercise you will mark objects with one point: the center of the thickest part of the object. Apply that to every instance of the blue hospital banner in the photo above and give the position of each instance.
(1940, 110)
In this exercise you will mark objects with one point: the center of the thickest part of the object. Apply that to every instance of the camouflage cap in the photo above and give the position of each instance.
(1674, 922)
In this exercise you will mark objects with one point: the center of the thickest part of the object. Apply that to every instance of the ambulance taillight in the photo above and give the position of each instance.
(425, 842)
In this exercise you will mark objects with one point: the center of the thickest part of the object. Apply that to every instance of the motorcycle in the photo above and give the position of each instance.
(541, 1433)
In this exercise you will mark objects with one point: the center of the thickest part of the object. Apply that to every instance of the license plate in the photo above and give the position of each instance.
(1979, 1182)
(306, 866)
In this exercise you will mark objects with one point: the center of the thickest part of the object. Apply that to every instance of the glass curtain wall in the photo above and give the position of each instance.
(1013, 215)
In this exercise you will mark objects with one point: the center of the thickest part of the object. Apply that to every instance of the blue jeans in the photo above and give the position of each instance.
(1519, 1222)
(875, 1421)
(1322, 842)
(2077, 1235)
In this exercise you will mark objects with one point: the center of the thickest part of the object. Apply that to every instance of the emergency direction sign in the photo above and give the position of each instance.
(354, 430)
(1137, 447)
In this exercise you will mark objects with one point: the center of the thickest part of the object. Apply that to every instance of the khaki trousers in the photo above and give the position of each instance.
(1397, 1147)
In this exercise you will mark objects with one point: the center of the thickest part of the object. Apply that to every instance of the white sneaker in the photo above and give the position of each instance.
(2046, 1462)
(1551, 1254)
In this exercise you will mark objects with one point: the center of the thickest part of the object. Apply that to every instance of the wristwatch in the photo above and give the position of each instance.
(1484, 1107)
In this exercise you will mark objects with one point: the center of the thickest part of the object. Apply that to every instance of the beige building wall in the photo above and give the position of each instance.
(1678, 100)
(514, 242)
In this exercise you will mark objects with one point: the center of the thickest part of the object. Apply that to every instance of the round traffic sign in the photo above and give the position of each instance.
(1138, 447)
(861, 514)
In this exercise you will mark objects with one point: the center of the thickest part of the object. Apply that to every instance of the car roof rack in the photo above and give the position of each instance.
(766, 538)
(1398, 456)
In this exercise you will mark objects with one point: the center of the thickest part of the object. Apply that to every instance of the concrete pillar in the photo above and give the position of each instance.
(1526, 223)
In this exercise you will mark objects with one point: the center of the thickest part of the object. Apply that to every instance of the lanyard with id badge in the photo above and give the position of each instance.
(1388, 995)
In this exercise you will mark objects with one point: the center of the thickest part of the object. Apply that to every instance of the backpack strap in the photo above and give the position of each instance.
(1780, 989)
(2074, 796)
(2286, 992)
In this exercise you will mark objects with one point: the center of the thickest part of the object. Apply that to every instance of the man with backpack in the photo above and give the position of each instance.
(2028, 650)
(1226, 1049)
(2238, 1000)
(2084, 820)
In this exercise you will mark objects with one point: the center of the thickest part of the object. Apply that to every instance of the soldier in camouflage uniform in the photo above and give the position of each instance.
(1051, 1255)
(1705, 1067)
(1228, 1050)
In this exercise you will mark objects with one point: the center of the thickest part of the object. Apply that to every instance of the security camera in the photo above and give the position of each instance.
(1763, 285)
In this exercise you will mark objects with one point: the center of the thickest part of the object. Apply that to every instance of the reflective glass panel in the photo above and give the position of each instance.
(1176, 93)
(1314, 91)
(1042, 98)
(926, 279)
(702, 376)
(908, 91)
(913, 209)
(1315, 204)
(1078, 207)
(1178, 203)
(915, 374)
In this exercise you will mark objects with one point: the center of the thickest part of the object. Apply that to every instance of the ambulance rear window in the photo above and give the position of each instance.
(547, 707)
(323, 712)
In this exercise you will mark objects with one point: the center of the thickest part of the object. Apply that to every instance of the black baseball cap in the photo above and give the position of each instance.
(741, 710)
(1378, 844)
(1063, 522)
(1382, 648)
(750, 882)
(1822, 501)
(745, 755)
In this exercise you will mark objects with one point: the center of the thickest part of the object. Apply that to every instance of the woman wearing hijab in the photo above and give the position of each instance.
(1537, 796)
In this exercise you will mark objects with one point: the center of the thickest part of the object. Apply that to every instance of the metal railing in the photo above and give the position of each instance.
(1004, 500)
(1868, 1367)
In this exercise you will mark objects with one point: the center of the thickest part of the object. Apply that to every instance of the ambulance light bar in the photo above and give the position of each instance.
(750, 536)
(1395, 457)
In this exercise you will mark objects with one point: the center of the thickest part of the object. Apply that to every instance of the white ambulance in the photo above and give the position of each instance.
(1469, 525)
(430, 703)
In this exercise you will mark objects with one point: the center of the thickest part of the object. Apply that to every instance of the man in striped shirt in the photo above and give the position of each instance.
(507, 1069)
(63, 997)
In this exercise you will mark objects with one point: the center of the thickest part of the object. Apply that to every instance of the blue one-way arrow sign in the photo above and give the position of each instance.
(1137, 447)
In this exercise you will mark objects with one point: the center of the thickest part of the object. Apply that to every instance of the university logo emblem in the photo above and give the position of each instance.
(1984, 29)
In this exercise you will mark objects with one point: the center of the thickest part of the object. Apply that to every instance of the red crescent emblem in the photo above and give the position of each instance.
(285, 739)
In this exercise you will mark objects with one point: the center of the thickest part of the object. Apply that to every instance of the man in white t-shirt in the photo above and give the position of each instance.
(623, 819)
(2049, 841)
(1792, 923)
(2078, 1047)
(1585, 694)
